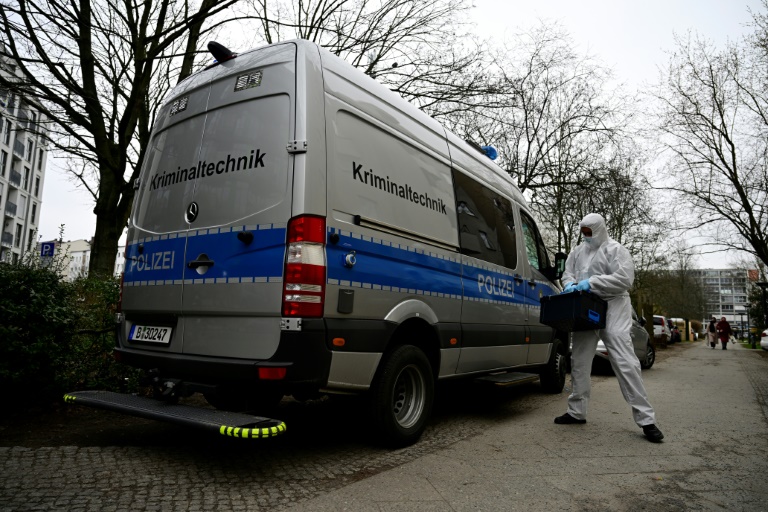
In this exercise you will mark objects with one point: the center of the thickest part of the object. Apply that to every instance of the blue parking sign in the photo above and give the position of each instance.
(47, 249)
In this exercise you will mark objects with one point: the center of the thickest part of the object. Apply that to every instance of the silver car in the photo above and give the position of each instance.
(644, 349)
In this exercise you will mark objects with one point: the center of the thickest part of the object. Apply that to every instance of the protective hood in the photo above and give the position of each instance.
(596, 223)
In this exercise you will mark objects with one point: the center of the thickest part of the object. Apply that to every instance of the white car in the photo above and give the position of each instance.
(661, 329)
(764, 340)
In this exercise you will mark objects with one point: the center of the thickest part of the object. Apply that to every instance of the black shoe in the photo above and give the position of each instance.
(567, 419)
(652, 433)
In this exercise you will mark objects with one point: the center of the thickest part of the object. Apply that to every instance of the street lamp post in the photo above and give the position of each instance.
(741, 323)
(763, 285)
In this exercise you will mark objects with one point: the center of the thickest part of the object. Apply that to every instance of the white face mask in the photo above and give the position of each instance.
(588, 239)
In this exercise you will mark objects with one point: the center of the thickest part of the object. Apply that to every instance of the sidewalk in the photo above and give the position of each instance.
(711, 405)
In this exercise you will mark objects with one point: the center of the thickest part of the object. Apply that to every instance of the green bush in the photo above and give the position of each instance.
(56, 336)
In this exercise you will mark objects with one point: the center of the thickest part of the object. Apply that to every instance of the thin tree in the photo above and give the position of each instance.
(713, 122)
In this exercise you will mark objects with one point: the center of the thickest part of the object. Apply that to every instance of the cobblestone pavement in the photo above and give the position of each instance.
(326, 448)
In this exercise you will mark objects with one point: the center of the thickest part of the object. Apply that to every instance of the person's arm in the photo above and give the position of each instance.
(620, 280)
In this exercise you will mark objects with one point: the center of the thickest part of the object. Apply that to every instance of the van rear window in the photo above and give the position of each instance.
(657, 321)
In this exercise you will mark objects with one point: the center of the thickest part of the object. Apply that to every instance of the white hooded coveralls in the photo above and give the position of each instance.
(610, 270)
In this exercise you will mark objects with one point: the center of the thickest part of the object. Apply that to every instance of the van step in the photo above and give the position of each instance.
(508, 378)
(230, 424)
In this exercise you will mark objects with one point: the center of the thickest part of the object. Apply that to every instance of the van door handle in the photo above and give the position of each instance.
(518, 279)
(532, 283)
(201, 261)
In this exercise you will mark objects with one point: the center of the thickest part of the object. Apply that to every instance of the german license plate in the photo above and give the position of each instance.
(150, 333)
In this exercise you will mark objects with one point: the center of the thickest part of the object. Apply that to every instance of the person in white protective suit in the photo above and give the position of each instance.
(603, 266)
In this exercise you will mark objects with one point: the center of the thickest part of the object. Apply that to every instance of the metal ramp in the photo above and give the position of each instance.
(508, 379)
(230, 424)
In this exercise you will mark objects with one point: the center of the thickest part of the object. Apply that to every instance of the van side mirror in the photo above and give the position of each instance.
(560, 258)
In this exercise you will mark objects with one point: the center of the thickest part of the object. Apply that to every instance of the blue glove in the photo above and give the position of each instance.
(570, 287)
(583, 286)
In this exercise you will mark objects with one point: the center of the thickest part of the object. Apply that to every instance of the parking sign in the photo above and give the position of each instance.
(47, 249)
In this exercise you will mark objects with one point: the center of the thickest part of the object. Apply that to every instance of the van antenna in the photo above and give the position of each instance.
(220, 52)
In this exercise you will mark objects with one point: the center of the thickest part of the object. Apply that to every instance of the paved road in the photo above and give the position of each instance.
(497, 451)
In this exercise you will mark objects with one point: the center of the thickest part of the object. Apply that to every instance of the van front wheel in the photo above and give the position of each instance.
(552, 375)
(401, 396)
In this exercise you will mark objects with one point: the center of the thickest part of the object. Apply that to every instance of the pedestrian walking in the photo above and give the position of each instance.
(724, 332)
(712, 333)
(605, 267)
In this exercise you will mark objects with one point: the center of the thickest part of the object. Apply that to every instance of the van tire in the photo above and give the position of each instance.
(552, 375)
(401, 397)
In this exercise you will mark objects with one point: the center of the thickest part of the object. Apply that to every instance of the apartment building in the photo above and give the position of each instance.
(23, 157)
(725, 291)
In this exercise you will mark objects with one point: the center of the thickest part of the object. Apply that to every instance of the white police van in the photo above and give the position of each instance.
(300, 229)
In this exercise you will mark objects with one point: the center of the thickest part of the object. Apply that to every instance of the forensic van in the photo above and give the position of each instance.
(299, 229)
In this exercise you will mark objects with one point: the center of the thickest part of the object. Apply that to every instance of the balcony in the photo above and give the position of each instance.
(10, 209)
(18, 148)
(7, 240)
(15, 179)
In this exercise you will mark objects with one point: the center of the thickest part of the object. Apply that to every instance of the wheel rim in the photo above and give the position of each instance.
(650, 356)
(409, 396)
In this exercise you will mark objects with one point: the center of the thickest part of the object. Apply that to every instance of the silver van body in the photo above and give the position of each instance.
(425, 241)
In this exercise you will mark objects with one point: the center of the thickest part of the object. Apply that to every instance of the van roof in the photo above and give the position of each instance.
(472, 161)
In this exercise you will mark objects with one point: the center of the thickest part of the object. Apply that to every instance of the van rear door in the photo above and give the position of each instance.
(242, 184)
(220, 170)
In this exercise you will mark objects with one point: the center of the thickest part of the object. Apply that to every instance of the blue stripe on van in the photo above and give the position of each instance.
(381, 264)
(163, 259)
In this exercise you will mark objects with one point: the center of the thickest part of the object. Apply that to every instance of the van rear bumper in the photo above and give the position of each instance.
(304, 354)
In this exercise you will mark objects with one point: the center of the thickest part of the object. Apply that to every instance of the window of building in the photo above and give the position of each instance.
(27, 173)
(37, 186)
(17, 238)
(3, 162)
(30, 239)
(7, 134)
(30, 150)
(39, 159)
(21, 212)
(486, 223)
(727, 307)
(34, 213)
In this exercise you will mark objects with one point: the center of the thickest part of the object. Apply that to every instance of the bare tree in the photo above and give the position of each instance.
(714, 124)
(97, 71)
(421, 49)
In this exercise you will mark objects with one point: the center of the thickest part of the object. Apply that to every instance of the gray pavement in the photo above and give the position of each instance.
(711, 406)
(502, 455)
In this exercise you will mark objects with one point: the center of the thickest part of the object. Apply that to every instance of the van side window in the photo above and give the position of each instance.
(486, 223)
(534, 247)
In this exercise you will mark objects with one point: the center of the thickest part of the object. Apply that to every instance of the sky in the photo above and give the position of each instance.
(630, 37)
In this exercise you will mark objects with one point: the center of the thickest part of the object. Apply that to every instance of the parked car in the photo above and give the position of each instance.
(644, 347)
(675, 336)
(764, 340)
(661, 330)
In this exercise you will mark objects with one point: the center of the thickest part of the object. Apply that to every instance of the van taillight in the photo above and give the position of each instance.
(304, 278)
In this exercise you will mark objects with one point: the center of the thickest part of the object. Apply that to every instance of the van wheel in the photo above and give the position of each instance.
(650, 357)
(552, 375)
(401, 397)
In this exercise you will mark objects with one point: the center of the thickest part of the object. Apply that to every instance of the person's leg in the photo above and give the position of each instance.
(627, 369)
(582, 354)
